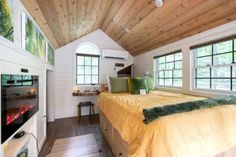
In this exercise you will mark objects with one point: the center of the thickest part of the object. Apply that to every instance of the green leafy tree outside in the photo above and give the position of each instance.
(6, 25)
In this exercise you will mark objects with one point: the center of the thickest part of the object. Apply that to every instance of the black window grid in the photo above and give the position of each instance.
(231, 78)
(172, 78)
(84, 66)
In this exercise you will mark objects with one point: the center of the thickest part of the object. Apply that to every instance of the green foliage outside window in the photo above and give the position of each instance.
(169, 70)
(87, 69)
(214, 66)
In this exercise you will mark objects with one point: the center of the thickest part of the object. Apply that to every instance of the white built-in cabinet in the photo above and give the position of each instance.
(37, 124)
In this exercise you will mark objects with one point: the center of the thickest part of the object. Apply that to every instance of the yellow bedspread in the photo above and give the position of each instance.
(200, 133)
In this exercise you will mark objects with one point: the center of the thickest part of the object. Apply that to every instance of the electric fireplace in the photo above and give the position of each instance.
(19, 102)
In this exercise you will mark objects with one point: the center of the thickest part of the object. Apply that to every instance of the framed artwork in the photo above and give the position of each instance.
(33, 40)
(6, 19)
(50, 55)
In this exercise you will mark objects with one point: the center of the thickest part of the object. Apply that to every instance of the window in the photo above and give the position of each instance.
(87, 64)
(169, 69)
(215, 67)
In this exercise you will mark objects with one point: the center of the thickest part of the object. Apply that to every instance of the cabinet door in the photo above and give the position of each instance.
(39, 127)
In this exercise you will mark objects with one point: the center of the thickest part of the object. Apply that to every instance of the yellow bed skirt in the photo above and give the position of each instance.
(200, 133)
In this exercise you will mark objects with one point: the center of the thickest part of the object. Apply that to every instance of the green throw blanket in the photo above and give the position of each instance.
(156, 112)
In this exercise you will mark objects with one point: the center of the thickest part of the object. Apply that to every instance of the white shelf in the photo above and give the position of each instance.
(14, 146)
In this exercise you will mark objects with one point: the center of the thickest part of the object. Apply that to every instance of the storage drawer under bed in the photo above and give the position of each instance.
(118, 146)
(106, 128)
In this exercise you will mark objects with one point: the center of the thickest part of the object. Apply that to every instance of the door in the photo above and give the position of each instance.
(41, 117)
(50, 96)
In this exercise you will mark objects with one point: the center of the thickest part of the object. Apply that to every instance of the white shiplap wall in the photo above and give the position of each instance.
(144, 62)
(65, 66)
(12, 59)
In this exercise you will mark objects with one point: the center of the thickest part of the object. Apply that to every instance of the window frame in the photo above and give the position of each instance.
(172, 78)
(98, 66)
(211, 67)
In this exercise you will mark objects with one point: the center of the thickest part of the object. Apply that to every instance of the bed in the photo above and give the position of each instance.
(199, 133)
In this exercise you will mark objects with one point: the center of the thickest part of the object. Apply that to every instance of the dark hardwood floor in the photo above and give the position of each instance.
(69, 127)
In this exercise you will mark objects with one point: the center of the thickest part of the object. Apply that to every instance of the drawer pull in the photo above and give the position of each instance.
(120, 154)
(106, 130)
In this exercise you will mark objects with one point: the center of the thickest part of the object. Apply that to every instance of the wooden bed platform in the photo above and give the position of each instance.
(120, 147)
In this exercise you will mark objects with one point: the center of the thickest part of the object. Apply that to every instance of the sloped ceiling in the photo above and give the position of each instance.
(137, 25)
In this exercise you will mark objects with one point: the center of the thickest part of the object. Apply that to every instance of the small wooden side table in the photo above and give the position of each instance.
(86, 104)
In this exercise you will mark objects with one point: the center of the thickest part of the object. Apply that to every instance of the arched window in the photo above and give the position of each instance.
(88, 49)
(87, 64)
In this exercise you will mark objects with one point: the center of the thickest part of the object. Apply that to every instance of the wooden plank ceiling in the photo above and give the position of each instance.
(137, 25)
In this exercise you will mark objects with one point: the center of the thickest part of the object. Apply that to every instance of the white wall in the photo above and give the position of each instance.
(65, 66)
(12, 59)
(144, 62)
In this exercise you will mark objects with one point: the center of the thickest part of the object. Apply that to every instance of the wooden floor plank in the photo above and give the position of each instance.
(70, 127)
(84, 138)
(76, 152)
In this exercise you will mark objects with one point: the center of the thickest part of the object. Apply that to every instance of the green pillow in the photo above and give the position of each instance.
(129, 84)
(137, 84)
(119, 85)
(150, 83)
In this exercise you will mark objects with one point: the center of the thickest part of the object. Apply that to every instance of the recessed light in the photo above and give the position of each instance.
(159, 3)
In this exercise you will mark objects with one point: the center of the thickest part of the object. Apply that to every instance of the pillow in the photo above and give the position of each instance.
(119, 85)
(137, 84)
(129, 84)
(150, 83)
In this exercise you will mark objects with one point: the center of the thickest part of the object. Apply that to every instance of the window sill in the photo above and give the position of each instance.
(95, 84)
(169, 88)
(87, 85)
(210, 93)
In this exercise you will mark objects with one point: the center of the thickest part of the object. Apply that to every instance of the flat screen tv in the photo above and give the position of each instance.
(19, 102)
